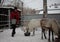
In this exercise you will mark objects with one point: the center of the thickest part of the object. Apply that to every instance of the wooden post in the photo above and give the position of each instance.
(44, 8)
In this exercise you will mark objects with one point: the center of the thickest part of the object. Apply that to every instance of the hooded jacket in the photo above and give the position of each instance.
(15, 15)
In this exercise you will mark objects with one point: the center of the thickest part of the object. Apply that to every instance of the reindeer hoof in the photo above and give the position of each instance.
(49, 40)
(42, 38)
(53, 40)
(45, 37)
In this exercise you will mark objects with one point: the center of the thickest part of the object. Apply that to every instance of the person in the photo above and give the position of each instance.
(14, 17)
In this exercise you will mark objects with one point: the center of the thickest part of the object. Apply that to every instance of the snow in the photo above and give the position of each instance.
(5, 36)
(51, 10)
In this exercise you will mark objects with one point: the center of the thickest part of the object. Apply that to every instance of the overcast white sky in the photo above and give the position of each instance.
(38, 4)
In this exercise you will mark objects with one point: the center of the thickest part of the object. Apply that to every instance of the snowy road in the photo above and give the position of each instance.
(19, 36)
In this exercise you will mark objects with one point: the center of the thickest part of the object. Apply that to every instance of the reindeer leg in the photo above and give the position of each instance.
(33, 31)
(49, 36)
(52, 36)
(59, 33)
(42, 34)
(45, 35)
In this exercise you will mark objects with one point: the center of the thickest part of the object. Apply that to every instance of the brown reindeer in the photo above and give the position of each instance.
(50, 24)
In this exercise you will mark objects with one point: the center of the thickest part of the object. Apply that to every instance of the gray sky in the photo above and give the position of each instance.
(35, 4)
(38, 4)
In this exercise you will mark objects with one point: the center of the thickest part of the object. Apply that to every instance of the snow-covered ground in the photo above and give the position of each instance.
(19, 36)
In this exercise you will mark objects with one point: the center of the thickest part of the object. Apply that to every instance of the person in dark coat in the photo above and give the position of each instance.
(14, 17)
